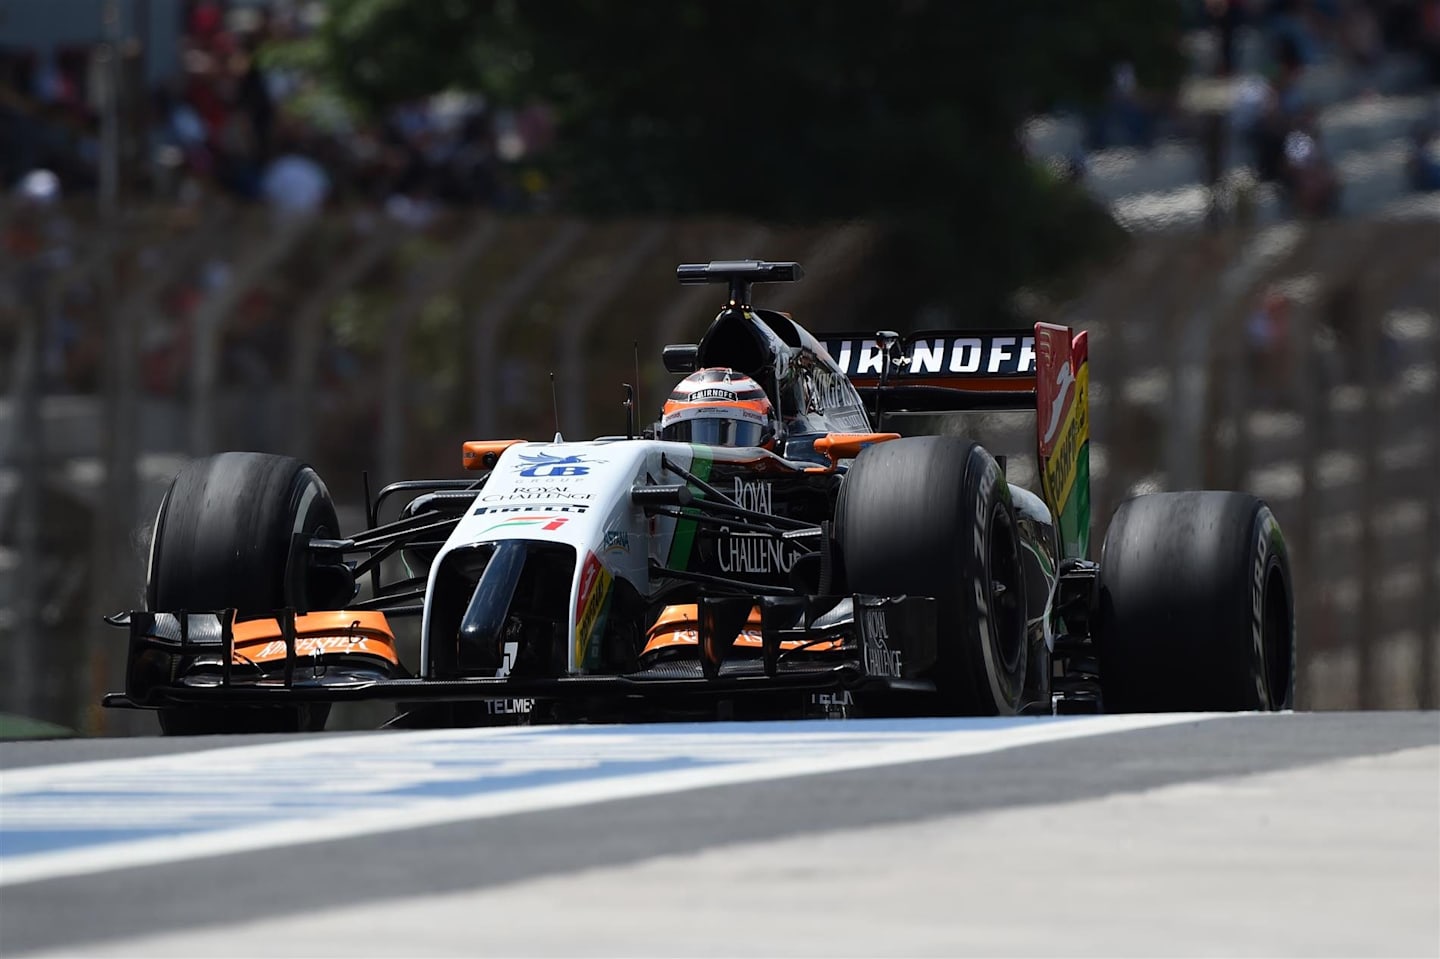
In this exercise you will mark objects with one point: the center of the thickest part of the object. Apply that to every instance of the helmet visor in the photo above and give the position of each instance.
(714, 431)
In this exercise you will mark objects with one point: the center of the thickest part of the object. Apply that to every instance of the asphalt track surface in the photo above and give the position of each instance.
(1267, 835)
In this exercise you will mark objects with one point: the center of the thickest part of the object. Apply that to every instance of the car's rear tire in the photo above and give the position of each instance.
(931, 516)
(1194, 606)
(223, 538)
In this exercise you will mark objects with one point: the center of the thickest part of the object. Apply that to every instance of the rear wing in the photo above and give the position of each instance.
(948, 371)
(939, 370)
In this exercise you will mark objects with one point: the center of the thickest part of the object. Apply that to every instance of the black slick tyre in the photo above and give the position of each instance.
(223, 538)
(1194, 606)
(932, 516)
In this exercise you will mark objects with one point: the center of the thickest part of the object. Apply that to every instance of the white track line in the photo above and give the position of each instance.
(416, 812)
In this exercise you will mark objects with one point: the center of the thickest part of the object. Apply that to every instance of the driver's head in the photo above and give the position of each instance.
(718, 407)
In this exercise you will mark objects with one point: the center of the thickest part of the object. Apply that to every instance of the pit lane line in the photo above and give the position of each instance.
(1228, 866)
(82, 818)
(77, 915)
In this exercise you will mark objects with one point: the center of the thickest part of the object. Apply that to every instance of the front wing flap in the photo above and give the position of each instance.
(887, 644)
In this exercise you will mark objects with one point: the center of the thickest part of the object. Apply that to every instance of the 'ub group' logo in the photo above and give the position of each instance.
(543, 464)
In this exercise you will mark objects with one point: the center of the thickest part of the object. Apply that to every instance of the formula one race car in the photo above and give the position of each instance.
(766, 550)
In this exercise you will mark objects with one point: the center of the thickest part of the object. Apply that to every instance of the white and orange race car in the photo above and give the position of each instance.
(833, 568)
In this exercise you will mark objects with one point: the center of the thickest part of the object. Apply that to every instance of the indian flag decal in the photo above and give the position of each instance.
(543, 521)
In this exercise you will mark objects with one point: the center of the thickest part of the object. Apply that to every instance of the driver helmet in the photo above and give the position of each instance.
(718, 407)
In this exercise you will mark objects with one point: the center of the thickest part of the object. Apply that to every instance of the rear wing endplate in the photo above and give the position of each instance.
(1062, 432)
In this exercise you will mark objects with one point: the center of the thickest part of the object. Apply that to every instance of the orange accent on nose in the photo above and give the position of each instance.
(483, 454)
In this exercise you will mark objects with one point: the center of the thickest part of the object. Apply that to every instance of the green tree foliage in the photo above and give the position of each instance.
(904, 111)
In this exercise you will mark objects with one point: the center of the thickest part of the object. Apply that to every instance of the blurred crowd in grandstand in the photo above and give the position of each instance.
(1271, 114)
(226, 121)
(1271, 122)
(230, 120)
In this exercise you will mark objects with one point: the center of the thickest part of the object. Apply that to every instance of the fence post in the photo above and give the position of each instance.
(270, 248)
(1145, 274)
(394, 408)
(115, 513)
(1427, 694)
(1315, 413)
(1252, 263)
(579, 318)
(1371, 329)
(309, 333)
(28, 440)
(493, 314)
(1404, 266)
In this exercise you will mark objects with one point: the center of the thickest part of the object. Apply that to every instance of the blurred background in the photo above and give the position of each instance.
(364, 231)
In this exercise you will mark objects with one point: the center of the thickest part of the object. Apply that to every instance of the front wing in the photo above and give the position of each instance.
(888, 645)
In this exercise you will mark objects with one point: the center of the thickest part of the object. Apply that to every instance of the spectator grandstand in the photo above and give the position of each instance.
(1304, 108)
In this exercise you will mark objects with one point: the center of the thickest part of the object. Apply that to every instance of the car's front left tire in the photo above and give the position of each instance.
(224, 538)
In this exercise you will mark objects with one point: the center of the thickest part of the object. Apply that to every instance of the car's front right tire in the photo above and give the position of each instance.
(932, 516)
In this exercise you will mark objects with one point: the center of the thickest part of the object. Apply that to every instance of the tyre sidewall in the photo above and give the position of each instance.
(312, 514)
(987, 490)
(1272, 644)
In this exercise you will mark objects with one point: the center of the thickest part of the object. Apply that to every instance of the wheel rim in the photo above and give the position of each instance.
(1005, 591)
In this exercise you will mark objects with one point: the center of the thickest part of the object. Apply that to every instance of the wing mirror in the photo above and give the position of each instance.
(681, 357)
